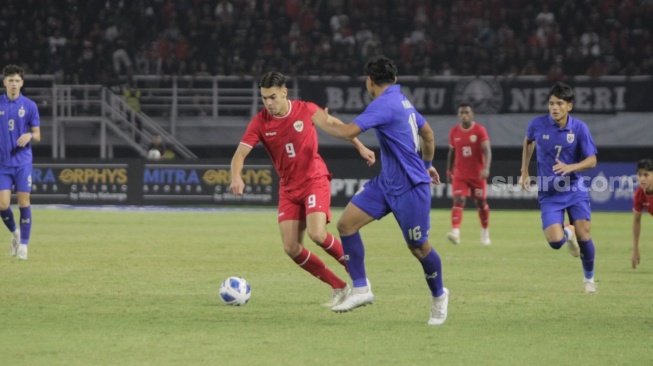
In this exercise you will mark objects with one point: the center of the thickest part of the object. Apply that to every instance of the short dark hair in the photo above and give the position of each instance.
(381, 70)
(463, 105)
(646, 164)
(13, 69)
(272, 79)
(562, 91)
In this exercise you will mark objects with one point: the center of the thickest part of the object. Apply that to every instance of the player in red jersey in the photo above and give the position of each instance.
(468, 166)
(286, 130)
(642, 201)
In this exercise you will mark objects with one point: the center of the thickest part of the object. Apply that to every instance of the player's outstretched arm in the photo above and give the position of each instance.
(335, 127)
(637, 228)
(237, 185)
(527, 152)
(366, 153)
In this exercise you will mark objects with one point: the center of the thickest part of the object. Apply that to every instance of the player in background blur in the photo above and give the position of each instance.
(20, 121)
(468, 167)
(642, 201)
(285, 129)
(402, 187)
(564, 149)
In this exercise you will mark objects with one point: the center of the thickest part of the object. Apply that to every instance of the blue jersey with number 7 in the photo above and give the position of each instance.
(570, 144)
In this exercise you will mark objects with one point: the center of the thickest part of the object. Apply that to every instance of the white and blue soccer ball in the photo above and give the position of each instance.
(235, 291)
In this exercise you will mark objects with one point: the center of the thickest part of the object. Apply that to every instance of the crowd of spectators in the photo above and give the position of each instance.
(90, 41)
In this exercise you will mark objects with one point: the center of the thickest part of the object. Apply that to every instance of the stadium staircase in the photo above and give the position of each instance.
(95, 104)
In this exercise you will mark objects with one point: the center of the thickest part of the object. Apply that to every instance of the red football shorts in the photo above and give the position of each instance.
(315, 196)
(469, 187)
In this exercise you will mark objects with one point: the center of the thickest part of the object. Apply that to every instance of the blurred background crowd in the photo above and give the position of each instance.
(89, 42)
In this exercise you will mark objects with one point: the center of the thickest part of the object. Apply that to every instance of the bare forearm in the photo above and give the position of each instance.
(236, 166)
(585, 164)
(238, 160)
(527, 153)
(36, 135)
(357, 143)
(336, 128)
(637, 228)
(428, 149)
(450, 159)
(487, 151)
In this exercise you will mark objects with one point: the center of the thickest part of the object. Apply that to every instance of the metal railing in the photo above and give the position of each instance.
(181, 97)
(95, 104)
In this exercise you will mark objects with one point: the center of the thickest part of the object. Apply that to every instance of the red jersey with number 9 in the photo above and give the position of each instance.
(469, 158)
(642, 201)
(291, 143)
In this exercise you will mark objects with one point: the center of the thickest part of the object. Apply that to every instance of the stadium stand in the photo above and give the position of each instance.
(107, 41)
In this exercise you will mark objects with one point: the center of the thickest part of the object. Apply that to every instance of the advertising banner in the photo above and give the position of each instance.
(79, 184)
(192, 184)
(136, 182)
(503, 190)
(487, 95)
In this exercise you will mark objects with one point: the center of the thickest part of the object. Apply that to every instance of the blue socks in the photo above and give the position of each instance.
(25, 224)
(558, 244)
(354, 250)
(587, 253)
(433, 272)
(8, 218)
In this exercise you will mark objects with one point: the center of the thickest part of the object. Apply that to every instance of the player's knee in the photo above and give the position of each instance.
(481, 203)
(557, 244)
(583, 235)
(317, 236)
(345, 228)
(23, 202)
(292, 250)
(582, 230)
(556, 240)
(420, 251)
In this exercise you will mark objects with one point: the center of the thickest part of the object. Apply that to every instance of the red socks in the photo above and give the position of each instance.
(312, 264)
(333, 247)
(484, 215)
(457, 215)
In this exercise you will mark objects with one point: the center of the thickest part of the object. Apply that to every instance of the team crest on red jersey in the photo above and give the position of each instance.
(472, 138)
(299, 126)
(570, 138)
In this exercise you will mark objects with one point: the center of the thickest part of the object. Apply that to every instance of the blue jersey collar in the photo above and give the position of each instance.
(392, 89)
(571, 122)
(5, 98)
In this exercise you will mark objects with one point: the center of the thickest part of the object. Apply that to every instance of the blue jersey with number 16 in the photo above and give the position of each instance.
(396, 123)
(570, 144)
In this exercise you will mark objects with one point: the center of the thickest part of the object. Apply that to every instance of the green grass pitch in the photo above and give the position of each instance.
(141, 288)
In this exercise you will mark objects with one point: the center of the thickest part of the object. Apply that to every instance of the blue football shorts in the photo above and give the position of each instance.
(18, 176)
(412, 209)
(554, 212)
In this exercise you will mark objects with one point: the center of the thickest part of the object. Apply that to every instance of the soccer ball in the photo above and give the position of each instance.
(235, 291)
(154, 154)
